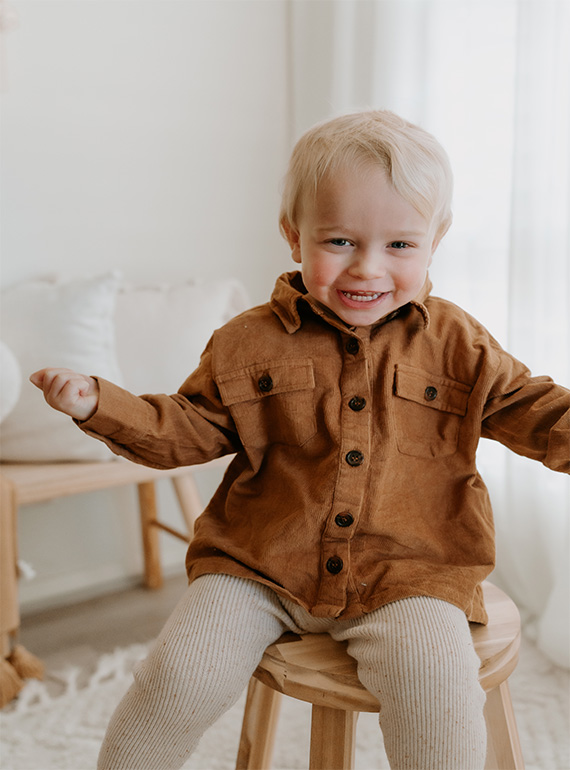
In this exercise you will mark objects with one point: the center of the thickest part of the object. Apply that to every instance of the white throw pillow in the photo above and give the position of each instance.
(10, 381)
(50, 322)
(163, 329)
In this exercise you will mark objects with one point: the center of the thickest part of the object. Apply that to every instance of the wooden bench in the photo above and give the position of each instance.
(24, 484)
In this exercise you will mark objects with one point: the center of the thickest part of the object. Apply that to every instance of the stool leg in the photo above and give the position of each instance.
(151, 546)
(503, 745)
(332, 739)
(258, 728)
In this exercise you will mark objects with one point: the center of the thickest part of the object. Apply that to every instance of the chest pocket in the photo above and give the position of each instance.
(428, 410)
(271, 402)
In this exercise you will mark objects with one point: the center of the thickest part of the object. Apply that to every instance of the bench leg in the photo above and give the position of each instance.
(9, 603)
(503, 745)
(332, 739)
(188, 499)
(150, 534)
(258, 728)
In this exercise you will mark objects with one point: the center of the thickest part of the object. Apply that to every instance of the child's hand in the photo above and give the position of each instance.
(74, 394)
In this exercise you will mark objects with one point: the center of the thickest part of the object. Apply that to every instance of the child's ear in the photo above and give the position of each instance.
(293, 239)
(434, 245)
(438, 237)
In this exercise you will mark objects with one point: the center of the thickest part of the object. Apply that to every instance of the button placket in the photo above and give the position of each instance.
(350, 489)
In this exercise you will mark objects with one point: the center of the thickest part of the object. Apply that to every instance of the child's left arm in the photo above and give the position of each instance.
(531, 416)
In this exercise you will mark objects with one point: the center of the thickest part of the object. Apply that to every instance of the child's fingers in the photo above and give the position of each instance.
(63, 388)
(44, 378)
(67, 391)
(37, 378)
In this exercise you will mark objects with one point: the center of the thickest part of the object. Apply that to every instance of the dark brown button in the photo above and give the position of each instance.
(334, 565)
(357, 403)
(265, 383)
(354, 457)
(352, 346)
(344, 519)
(430, 393)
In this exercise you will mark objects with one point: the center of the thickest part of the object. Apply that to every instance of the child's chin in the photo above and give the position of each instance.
(360, 319)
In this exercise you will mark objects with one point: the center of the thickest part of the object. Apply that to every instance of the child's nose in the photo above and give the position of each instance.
(367, 264)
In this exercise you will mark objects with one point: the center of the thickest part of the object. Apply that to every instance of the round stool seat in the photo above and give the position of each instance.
(317, 669)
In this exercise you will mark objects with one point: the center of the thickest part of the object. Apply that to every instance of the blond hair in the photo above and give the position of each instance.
(415, 162)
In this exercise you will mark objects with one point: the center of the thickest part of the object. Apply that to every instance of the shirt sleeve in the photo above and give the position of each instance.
(530, 415)
(165, 431)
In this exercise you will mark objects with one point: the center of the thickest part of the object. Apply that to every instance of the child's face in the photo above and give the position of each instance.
(364, 251)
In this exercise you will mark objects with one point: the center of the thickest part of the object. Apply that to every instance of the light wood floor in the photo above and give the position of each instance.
(115, 620)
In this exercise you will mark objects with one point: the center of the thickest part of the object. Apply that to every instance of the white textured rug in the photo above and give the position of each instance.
(44, 730)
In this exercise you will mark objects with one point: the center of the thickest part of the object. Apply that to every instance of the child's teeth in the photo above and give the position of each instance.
(361, 297)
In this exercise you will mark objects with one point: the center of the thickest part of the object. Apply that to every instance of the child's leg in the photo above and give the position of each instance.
(416, 656)
(199, 666)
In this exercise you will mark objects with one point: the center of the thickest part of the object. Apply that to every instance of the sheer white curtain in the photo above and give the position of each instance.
(491, 79)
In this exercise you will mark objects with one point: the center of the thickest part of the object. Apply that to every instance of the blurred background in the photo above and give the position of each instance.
(151, 137)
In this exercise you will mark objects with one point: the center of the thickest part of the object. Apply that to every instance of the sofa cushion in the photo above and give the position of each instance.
(54, 322)
(163, 329)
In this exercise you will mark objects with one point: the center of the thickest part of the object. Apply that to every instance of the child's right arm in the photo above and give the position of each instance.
(67, 391)
(189, 427)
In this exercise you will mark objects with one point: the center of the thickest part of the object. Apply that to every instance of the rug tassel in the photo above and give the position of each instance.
(26, 665)
(10, 682)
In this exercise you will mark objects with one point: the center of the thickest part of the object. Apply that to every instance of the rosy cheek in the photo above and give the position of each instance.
(321, 276)
(414, 278)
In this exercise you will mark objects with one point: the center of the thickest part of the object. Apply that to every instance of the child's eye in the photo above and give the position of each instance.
(399, 245)
(339, 242)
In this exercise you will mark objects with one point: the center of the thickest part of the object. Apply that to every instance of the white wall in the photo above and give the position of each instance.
(148, 136)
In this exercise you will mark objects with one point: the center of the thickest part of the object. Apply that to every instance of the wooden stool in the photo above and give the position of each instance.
(316, 669)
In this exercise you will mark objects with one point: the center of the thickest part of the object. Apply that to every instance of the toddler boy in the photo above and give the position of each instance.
(354, 402)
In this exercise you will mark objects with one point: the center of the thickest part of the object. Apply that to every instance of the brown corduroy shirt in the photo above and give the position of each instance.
(354, 482)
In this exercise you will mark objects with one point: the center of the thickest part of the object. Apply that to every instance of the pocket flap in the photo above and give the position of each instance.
(269, 378)
(431, 390)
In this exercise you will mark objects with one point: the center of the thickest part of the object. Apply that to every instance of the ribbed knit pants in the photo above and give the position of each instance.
(414, 655)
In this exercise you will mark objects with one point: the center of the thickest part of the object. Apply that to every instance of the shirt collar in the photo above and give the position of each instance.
(420, 301)
(290, 297)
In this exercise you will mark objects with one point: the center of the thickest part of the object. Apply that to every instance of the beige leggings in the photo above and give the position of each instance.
(414, 655)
